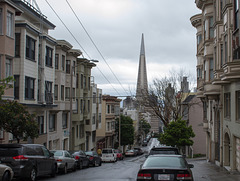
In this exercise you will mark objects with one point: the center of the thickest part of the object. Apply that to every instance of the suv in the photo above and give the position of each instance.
(28, 160)
(108, 155)
(164, 150)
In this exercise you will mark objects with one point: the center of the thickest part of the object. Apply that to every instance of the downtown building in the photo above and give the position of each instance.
(218, 79)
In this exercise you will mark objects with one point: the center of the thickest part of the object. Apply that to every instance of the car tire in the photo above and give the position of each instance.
(6, 176)
(96, 164)
(65, 169)
(33, 174)
(54, 170)
(80, 165)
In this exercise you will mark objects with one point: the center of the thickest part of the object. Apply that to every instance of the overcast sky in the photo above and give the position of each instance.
(116, 27)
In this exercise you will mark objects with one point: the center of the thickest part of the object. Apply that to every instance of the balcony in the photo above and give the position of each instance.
(212, 91)
(231, 71)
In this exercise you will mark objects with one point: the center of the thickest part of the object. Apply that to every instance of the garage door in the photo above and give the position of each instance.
(238, 154)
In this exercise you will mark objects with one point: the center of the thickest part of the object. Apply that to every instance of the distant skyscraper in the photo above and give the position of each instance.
(142, 83)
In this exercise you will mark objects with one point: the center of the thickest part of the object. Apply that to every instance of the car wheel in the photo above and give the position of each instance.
(96, 164)
(6, 176)
(33, 174)
(54, 170)
(81, 165)
(65, 169)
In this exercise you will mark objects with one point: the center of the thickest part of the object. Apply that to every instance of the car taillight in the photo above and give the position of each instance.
(59, 160)
(20, 158)
(184, 176)
(146, 176)
(76, 157)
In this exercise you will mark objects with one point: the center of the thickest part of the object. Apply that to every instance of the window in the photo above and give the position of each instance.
(16, 87)
(52, 122)
(73, 94)
(76, 111)
(48, 92)
(211, 29)
(81, 106)
(77, 131)
(62, 92)
(74, 65)
(108, 109)
(93, 136)
(100, 98)
(1, 133)
(225, 49)
(48, 56)
(94, 119)
(63, 62)
(89, 83)
(29, 88)
(211, 74)
(64, 120)
(17, 44)
(56, 61)
(99, 118)
(221, 52)
(30, 48)
(68, 63)
(77, 81)
(40, 124)
(84, 82)
(236, 16)
(81, 81)
(9, 24)
(108, 126)
(1, 22)
(199, 39)
(199, 73)
(55, 92)
(94, 97)
(227, 105)
(8, 67)
(238, 105)
(67, 93)
(81, 131)
(88, 105)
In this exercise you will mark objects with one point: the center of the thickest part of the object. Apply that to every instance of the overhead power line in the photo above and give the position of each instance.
(96, 46)
(79, 44)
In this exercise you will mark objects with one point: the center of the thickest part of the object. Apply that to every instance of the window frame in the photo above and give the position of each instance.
(8, 67)
(1, 21)
(56, 61)
(29, 92)
(16, 86)
(48, 56)
(30, 49)
(227, 105)
(17, 44)
(10, 24)
(52, 122)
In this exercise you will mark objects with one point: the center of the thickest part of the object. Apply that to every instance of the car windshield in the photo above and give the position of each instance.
(152, 152)
(89, 153)
(57, 153)
(107, 151)
(166, 162)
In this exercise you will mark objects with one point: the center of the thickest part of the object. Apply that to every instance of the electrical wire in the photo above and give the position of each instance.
(79, 43)
(95, 46)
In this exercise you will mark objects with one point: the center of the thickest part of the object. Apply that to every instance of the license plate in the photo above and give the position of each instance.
(163, 176)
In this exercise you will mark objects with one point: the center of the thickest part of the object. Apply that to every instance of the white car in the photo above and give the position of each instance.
(108, 155)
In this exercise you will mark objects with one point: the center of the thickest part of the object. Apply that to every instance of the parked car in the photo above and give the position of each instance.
(108, 155)
(28, 161)
(163, 150)
(65, 161)
(131, 153)
(82, 159)
(144, 143)
(119, 154)
(94, 159)
(6, 173)
(139, 151)
(165, 167)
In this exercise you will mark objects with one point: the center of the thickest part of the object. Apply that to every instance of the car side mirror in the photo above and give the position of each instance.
(51, 154)
(190, 165)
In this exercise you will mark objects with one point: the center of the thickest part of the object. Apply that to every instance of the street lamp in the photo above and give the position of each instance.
(71, 99)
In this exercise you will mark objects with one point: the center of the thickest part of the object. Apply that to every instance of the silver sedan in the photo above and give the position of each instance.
(65, 160)
(6, 173)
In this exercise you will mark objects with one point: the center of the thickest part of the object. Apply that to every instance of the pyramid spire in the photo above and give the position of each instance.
(142, 84)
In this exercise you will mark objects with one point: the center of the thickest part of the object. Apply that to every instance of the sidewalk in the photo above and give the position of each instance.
(207, 171)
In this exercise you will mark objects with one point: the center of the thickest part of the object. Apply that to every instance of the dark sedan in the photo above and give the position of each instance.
(165, 167)
(94, 159)
(82, 160)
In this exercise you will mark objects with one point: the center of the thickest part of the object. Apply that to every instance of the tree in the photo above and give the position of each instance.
(17, 120)
(4, 84)
(144, 126)
(127, 130)
(178, 133)
(164, 97)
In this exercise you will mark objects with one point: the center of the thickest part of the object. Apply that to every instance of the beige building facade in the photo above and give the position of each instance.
(218, 76)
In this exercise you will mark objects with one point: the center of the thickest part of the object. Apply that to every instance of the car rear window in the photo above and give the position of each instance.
(166, 162)
(57, 153)
(89, 153)
(10, 152)
(107, 151)
(153, 152)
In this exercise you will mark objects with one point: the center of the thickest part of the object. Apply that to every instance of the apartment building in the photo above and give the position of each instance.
(218, 65)
(106, 137)
(8, 11)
